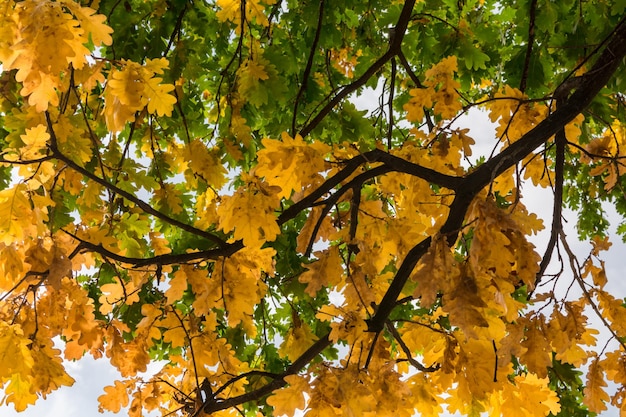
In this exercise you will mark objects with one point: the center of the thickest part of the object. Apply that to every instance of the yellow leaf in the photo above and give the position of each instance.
(15, 355)
(11, 266)
(81, 327)
(464, 306)
(614, 364)
(60, 267)
(128, 357)
(156, 65)
(19, 392)
(250, 76)
(250, 213)
(435, 271)
(178, 286)
(299, 338)
(430, 343)
(350, 328)
(41, 90)
(536, 169)
(326, 271)
(159, 99)
(600, 244)
(538, 356)
(466, 140)
(124, 94)
(612, 309)
(174, 334)
(440, 90)
(127, 84)
(291, 163)
(230, 10)
(290, 398)
(475, 369)
(239, 276)
(528, 396)
(168, 198)
(72, 140)
(420, 98)
(92, 23)
(15, 214)
(205, 163)
(42, 52)
(427, 403)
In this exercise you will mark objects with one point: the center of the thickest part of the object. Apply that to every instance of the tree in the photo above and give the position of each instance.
(192, 182)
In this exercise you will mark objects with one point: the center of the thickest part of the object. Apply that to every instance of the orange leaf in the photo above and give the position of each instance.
(115, 397)
(595, 397)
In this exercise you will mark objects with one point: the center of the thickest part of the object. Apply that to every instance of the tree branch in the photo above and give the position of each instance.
(592, 83)
(128, 196)
(392, 164)
(529, 47)
(409, 355)
(557, 224)
(309, 66)
(304, 359)
(166, 259)
(394, 49)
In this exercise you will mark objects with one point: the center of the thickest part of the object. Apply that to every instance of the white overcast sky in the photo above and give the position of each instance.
(92, 376)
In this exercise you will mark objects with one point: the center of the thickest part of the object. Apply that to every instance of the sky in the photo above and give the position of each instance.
(92, 376)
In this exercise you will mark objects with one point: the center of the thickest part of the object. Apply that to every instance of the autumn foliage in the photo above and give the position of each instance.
(192, 184)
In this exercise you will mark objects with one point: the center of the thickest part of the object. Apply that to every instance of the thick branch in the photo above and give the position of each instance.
(557, 208)
(166, 259)
(392, 164)
(216, 404)
(592, 83)
(388, 303)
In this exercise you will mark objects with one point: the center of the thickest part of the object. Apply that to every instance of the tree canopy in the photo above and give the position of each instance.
(191, 183)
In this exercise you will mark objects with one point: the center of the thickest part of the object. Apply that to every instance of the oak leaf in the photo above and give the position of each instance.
(291, 398)
(49, 373)
(159, 100)
(436, 271)
(595, 397)
(20, 392)
(114, 398)
(250, 214)
(92, 23)
(528, 395)
(538, 354)
(177, 286)
(15, 354)
(291, 163)
(325, 271)
(298, 339)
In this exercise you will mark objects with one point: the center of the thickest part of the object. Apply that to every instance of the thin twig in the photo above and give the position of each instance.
(529, 46)
(307, 69)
